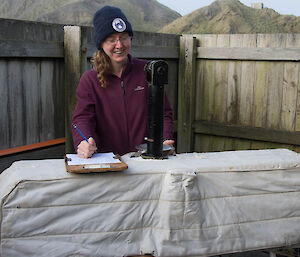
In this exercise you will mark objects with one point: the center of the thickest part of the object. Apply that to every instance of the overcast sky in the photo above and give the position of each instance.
(187, 6)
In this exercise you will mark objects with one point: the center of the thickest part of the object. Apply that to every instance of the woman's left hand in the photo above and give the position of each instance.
(170, 143)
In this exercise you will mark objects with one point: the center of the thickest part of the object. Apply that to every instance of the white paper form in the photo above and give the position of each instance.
(97, 158)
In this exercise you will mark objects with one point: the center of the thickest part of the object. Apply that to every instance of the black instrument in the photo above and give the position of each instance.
(156, 76)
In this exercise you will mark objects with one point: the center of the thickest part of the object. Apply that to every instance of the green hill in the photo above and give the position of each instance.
(231, 16)
(222, 16)
(145, 15)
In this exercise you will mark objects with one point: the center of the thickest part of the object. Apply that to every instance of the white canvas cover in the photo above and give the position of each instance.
(195, 204)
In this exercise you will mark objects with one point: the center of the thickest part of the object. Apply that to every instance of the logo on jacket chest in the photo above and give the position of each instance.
(139, 88)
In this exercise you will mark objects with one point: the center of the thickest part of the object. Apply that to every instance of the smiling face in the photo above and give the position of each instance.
(117, 47)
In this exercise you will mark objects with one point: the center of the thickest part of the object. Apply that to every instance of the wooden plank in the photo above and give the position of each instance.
(251, 133)
(220, 94)
(291, 85)
(4, 105)
(153, 38)
(58, 98)
(241, 144)
(228, 144)
(233, 91)
(200, 145)
(186, 94)
(204, 101)
(296, 149)
(199, 90)
(84, 33)
(289, 96)
(209, 77)
(263, 87)
(248, 78)
(245, 87)
(257, 145)
(297, 122)
(249, 41)
(293, 40)
(261, 94)
(201, 85)
(234, 80)
(16, 104)
(260, 107)
(207, 101)
(204, 143)
(155, 52)
(24, 48)
(30, 30)
(275, 80)
(30, 147)
(205, 105)
(73, 52)
(206, 40)
(47, 131)
(32, 111)
(239, 53)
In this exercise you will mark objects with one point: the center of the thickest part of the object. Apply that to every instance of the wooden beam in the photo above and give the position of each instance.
(186, 93)
(251, 133)
(75, 59)
(147, 52)
(22, 48)
(31, 147)
(255, 54)
(155, 52)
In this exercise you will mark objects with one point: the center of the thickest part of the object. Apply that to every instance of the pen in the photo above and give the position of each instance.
(80, 132)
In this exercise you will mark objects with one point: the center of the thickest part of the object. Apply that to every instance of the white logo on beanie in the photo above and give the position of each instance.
(119, 25)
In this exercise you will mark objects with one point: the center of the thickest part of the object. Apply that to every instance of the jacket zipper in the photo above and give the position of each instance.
(123, 88)
(124, 102)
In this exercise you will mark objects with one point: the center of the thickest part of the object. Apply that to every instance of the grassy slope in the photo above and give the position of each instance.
(145, 15)
(231, 16)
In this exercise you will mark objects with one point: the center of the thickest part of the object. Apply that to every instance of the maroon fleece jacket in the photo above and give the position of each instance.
(116, 116)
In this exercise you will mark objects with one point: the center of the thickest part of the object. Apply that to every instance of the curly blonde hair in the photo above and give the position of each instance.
(102, 64)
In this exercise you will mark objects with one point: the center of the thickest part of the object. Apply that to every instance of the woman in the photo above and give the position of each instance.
(111, 109)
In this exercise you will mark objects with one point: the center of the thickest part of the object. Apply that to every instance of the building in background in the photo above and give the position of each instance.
(257, 5)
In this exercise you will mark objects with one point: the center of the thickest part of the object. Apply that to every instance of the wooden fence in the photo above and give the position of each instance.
(31, 79)
(228, 92)
(243, 92)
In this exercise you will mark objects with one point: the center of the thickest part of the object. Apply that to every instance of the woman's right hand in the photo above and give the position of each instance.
(86, 149)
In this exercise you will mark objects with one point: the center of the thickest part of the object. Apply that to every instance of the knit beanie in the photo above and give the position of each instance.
(109, 20)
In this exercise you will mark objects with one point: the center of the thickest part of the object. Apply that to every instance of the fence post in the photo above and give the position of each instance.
(186, 93)
(75, 60)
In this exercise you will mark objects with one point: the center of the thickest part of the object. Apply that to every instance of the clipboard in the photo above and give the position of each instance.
(98, 163)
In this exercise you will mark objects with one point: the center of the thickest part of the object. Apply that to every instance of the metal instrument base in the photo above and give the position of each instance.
(147, 156)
